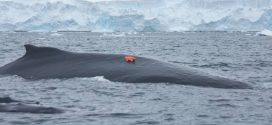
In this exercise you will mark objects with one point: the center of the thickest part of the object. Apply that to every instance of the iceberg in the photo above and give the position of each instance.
(135, 15)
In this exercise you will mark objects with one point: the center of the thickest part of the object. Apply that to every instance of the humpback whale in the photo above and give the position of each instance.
(10, 105)
(49, 63)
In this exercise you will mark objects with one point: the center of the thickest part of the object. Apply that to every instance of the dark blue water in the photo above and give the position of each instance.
(235, 55)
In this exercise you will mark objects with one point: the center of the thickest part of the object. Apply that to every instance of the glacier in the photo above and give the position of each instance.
(135, 15)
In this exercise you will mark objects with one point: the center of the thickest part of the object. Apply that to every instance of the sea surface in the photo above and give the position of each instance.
(242, 56)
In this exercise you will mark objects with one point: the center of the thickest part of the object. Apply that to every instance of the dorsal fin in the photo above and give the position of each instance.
(33, 50)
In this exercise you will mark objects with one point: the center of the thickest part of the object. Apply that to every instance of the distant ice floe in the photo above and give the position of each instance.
(116, 34)
(56, 34)
(265, 33)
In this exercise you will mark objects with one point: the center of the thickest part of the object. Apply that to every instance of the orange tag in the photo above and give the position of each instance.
(130, 59)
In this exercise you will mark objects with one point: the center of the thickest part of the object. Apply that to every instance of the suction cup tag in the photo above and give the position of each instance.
(130, 59)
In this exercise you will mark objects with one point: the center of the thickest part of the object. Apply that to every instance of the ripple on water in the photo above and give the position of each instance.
(118, 115)
(146, 122)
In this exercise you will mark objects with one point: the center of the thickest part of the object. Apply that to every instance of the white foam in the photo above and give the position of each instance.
(100, 79)
(266, 85)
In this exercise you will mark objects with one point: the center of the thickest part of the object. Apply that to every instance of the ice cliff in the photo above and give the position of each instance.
(136, 15)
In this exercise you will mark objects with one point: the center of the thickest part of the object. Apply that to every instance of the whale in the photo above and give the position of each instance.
(52, 63)
(24, 108)
(7, 100)
(10, 105)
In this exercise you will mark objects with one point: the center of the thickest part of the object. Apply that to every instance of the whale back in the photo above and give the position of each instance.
(47, 62)
(34, 57)
(32, 50)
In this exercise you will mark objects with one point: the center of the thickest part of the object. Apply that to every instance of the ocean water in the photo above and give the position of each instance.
(236, 55)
